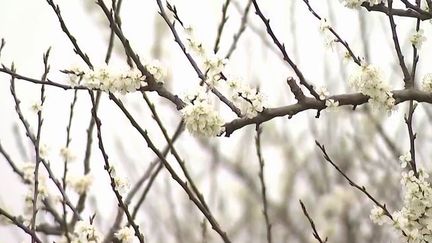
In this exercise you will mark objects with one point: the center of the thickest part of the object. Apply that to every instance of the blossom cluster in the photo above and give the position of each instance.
(368, 80)
(417, 38)
(247, 99)
(199, 115)
(86, 233)
(125, 234)
(414, 219)
(427, 82)
(80, 184)
(358, 3)
(28, 170)
(107, 80)
(120, 183)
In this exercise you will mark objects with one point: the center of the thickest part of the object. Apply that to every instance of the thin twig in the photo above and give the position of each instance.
(315, 232)
(283, 51)
(108, 169)
(355, 58)
(37, 144)
(263, 184)
(240, 31)
(406, 74)
(352, 183)
(73, 40)
(221, 26)
(22, 226)
(172, 172)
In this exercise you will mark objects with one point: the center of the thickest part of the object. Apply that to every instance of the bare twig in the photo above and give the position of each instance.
(221, 26)
(242, 28)
(283, 51)
(407, 77)
(315, 232)
(263, 185)
(73, 40)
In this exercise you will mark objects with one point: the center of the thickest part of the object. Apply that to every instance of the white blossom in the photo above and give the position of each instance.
(415, 216)
(368, 80)
(28, 169)
(405, 159)
(214, 64)
(247, 99)
(67, 154)
(427, 82)
(107, 80)
(352, 3)
(377, 215)
(158, 71)
(43, 150)
(194, 44)
(417, 38)
(331, 104)
(322, 92)
(81, 184)
(324, 25)
(121, 184)
(36, 107)
(125, 234)
(202, 120)
(86, 233)
(357, 3)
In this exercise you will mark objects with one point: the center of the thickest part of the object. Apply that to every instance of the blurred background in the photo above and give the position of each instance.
(366, 145)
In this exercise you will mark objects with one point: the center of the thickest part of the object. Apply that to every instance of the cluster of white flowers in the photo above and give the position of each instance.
(121, 184)
(368, 80)
(109, 81)
(36, 106)
(80, 184)
(329, 39)
(200, 117)
(414, 219)
(247, 99)
(358, 3)
(67, 154)
(86, 233)
(405, 159)
(158, 71)
(125, 234)
(28, 170)
(427, 82)
(417, 38)
(377, 215)
(322, 92)
(331, 104)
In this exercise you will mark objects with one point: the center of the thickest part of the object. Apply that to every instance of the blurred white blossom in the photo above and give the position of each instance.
(322, 92)
(377, 215)
(125, 234)
(417, 38)
(81, 184)
(121, 183)
(427, 82)
(405, 159)
(331, 104)
(158, 71)
(67, 154)
(86, 233)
